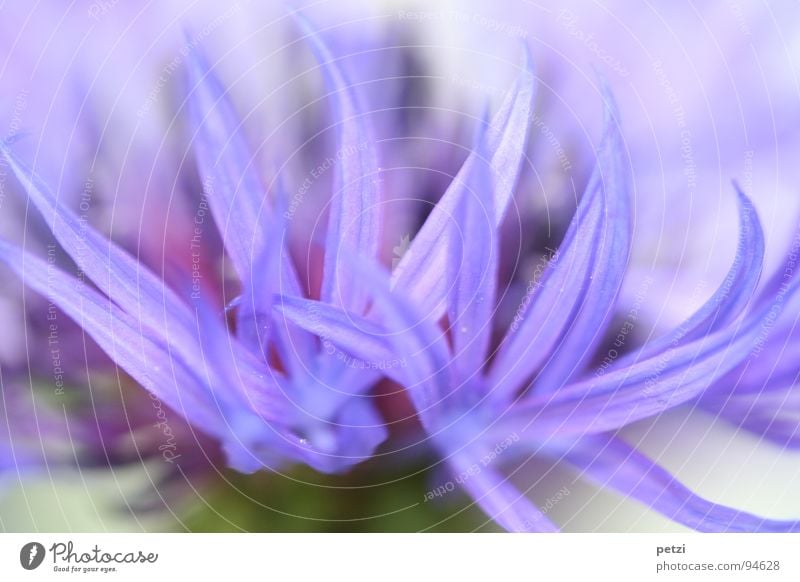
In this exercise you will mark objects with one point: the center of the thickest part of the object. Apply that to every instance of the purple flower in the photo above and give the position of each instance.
(268, 375)
(534, 393)
(760, 394)
(307, 408)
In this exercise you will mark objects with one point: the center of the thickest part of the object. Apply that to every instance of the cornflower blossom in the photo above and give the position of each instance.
(268, 385)
(264, 413)
(532, 394)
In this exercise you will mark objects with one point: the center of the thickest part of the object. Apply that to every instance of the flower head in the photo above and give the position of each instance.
(262, 374)
(266, 409)
(533, 392)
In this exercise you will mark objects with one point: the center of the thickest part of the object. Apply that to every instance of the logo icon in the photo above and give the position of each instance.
(31, 555)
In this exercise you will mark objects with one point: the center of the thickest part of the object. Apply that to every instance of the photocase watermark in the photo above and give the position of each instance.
(186, 48)
(317, 172)
(31, 555)
(549, 260)
(196, 240)
(553, 142)
(461, 17)
(100, 8)
(738, 14)
(679, 113)
(318, 329)
(169, 447)
(569, 21)
(627, 327)
(14, 125)
(84, 206)
(53, 346)
(470, 82)
(69, 560)
(534, 522)
(768, 323)
(473, 470)
(554, 500)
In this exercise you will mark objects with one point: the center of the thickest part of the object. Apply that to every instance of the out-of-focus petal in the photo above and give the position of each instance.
(498, 497)
(119, 275)
(610, 462)
(733, 294)
(230, 181)
(422, 272)
(355, 218)
(355, 334)
(568, 315)
(472, 268)
(643, 389)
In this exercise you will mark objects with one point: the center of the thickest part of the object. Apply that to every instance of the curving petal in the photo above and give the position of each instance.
(136, 289)
(610, 462)
(567, 316)
(254, 321)
(732, 296)
(422, 272)
(251, 229)
(231, 183)
(472, 269)
(643, 389)
(410, 336)
(192, 386)
(355, 334)
(498, 497)
(354, 223)
(144, 357)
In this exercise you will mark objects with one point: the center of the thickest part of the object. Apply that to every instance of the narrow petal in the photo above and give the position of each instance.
(497, 496)
(732, 296)
(251, 229)
(354, 334)
(231, 183)
(567, 316)
(119, 275)
(410, 336)
(142, 356)
(473, 270)
(193, 387)
(610, 462)
(254, 319)
(422, 272)
(644, 389)
(355, 215)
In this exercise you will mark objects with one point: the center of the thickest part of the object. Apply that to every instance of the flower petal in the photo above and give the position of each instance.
(644, 389)
(732, 296)
(251, 229)
(145, 358)
(497, 496)
(231, 183)
(355, 334)
(422, 272)
(473, 269)
(194, 387)
(354, 221)
(610, 462)
(119, 275)
(577, 295)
